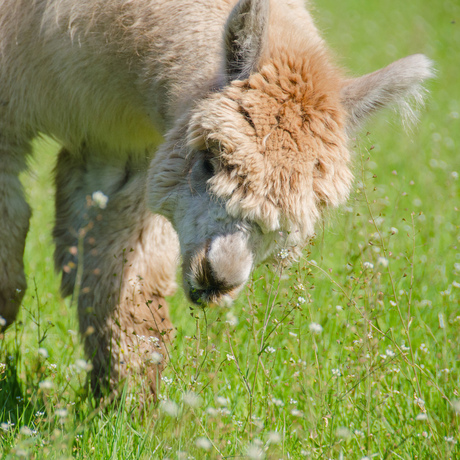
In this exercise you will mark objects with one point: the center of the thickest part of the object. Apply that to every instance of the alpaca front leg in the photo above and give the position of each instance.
(121, 260)
(124, 318)
(128, 345)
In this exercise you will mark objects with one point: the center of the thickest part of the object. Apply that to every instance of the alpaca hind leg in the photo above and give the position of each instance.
(127, 259)
(14, 225)
(71, 207)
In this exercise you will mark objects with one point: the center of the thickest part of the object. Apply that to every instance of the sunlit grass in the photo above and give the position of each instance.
(352, 352)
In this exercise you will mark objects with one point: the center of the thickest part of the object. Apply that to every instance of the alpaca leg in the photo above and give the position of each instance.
(14, 224)
(122, 261)
(71, 208)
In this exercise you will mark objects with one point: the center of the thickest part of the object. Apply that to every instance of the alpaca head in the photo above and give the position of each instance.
(247, 173)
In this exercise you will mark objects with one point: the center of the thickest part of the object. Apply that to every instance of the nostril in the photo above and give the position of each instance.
(211, 295)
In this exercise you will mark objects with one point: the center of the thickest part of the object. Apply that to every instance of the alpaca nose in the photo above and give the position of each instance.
(219, 271)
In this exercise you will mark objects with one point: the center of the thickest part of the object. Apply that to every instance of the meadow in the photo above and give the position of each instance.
(351, 353)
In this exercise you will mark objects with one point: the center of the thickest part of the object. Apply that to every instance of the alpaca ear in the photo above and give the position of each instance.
(245, 38)
(397, 84)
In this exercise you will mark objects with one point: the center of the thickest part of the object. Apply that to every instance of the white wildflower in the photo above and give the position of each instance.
(26, 431)
(2, 321)
(231, 319)
(277, 402)
(425, 303)
(450, 439)
(315, 328)
(301, 300)
(270, 350)
(419, 401)
(274, 437)
(99, 200)
(424, 348)
(296, 413)
(421, 416)
(62, 413)
(383, 262)
(390, 353)
(456, 284)
(292, 334)
(46, 385)
(170, 408)
(368, 266)
(343, 432)
(393, 230)
(203, 443)
(156, 358)
(283, 254)
(191, 399)
(155, 341)
(441, 321)
(230, 357)
(339, 308)
(255, 452)
(336, 372)
(167, 380)
(456, 405)
(393, 303)
(221, 401)
(43, 352)
(82, 365)
(6, 426)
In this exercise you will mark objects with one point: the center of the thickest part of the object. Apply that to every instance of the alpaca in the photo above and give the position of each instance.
(216, 132)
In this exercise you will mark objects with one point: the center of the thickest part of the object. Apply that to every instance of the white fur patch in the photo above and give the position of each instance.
(230, 259)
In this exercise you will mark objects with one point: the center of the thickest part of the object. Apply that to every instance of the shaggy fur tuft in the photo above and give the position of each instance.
(279, 144)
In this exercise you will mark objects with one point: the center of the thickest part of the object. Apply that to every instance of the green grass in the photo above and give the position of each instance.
(381, 380)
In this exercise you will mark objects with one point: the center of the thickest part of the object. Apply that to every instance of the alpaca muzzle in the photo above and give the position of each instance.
(218, 271)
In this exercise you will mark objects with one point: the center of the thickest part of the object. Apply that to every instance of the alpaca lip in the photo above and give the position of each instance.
(195, 295)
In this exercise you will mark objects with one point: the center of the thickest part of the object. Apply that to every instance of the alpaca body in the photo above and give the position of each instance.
(218, 130)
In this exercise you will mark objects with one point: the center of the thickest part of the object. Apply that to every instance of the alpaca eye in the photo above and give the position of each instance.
(208, 167)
